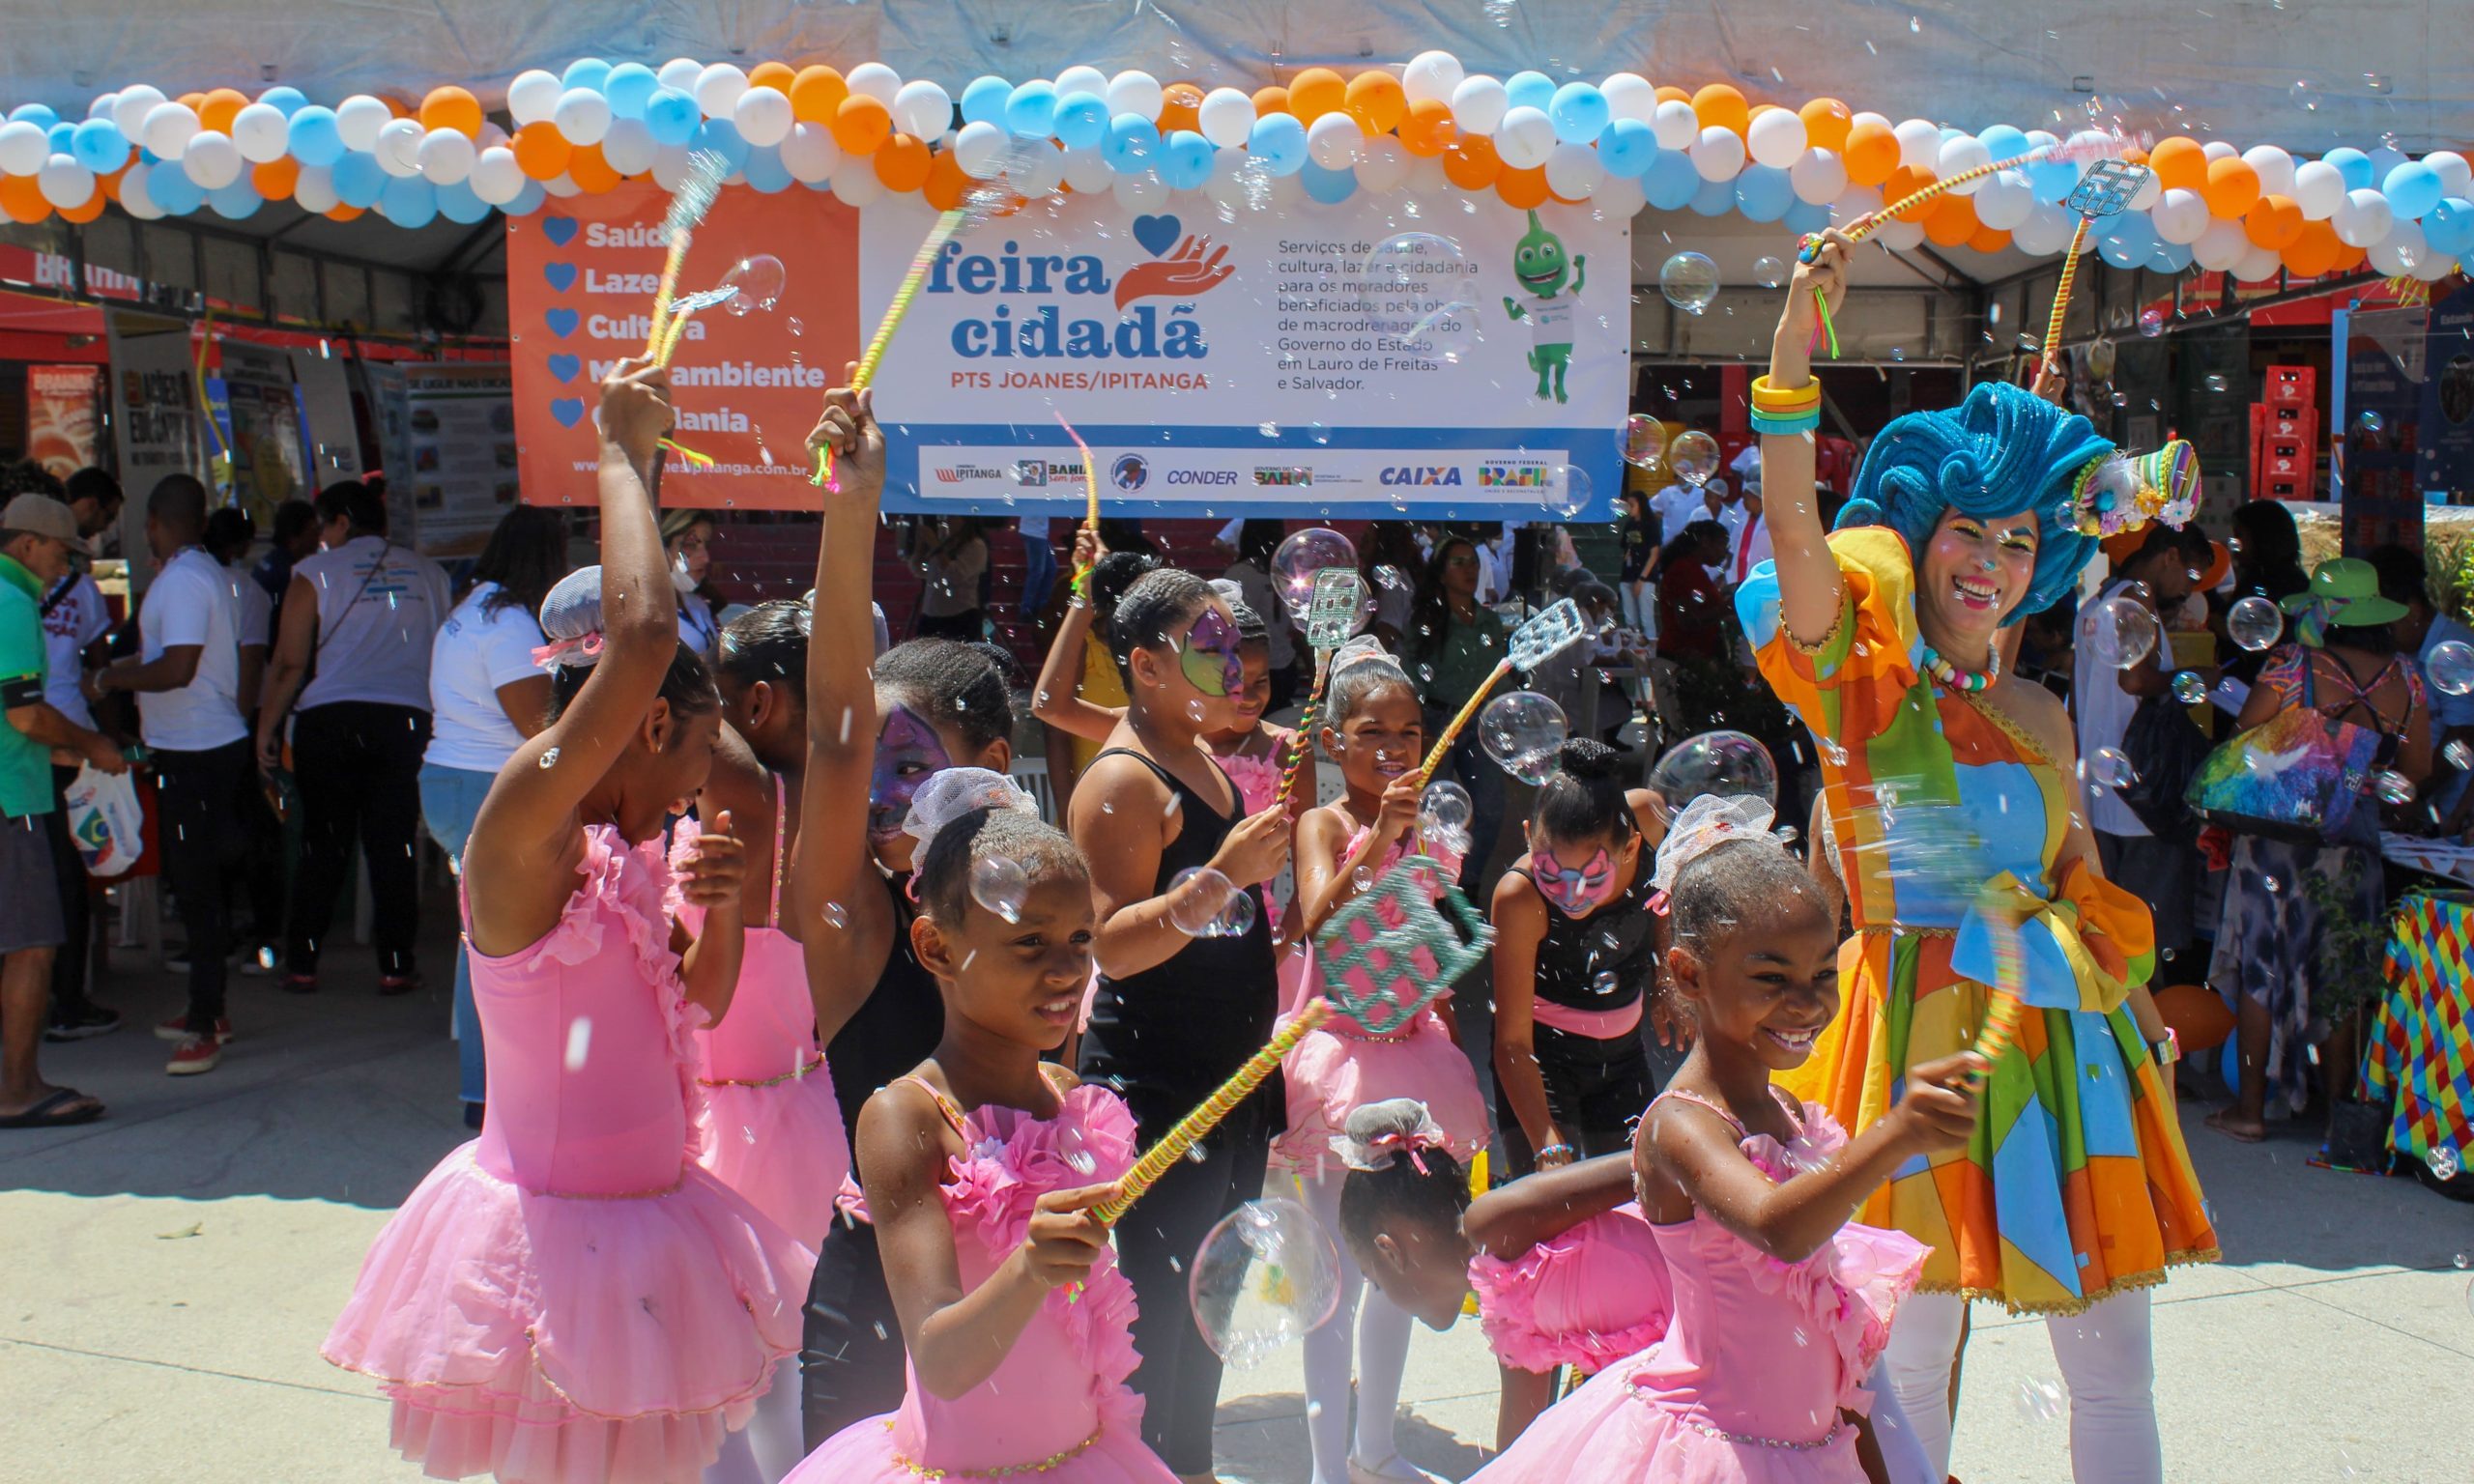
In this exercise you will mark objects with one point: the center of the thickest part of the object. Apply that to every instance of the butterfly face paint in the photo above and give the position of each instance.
(908, 755)
(1210, 657)
(1573, 893)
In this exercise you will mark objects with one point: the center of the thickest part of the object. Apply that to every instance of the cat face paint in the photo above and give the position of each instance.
(908, 753)
(1210, 657)
(1575, 892)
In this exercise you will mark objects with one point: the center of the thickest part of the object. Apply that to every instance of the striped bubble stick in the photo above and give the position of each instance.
(1091, 495)
(1161, 1157)
(1545, 635)
(2010, 972)
(1452, 729)
(947, 224)
(1300, 746)
(2106, 191)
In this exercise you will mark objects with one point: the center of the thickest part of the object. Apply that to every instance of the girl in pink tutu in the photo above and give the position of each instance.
(571, 1299)
(1373, 727)
(1781, 1305)
(980, 1168)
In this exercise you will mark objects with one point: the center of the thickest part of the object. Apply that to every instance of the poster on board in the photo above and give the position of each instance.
(391, 420)
(154, 402)
(253, 400)
(1363, 359)
(460, 453)
(60, 416)
(326, 408)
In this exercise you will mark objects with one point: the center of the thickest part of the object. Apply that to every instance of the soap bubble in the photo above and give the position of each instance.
(2457, 755)
(2370, 422)
(2108, 768)
(579, 1043)
(1000, 886)
(2039, 1401)
(1566, 490)
(1196, 910)
(2254, 623)
(1689, 280)
(2151, 323)
(1644, 441)
(2189, 688)
(2119, 634)
(1522, 732)
(1725, 763)
(1265, 1275)
(1770, 272)
(760, 280)
(2449, 666)
(1693, 456)
(2392, 786)
(1415, 286)
(1446, 808)
(2445, 1165)
(1303, 554)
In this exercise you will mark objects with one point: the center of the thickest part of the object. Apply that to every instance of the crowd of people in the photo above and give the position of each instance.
(803, 1050)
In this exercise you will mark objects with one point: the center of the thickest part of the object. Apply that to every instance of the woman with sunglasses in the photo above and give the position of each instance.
(1574, 962)
(1453, 643)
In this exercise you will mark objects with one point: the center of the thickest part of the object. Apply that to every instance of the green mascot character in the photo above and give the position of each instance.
(1539, 263)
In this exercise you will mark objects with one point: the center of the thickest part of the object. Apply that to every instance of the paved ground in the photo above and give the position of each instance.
(177, 1264)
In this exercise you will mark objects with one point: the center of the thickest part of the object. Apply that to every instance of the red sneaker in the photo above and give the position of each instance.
(198, 1053)
(176, 1028)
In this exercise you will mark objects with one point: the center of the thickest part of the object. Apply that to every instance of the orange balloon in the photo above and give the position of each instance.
(861, 125)
(1671, 93)
(1377, 100)
(1826, 122)
(1950, 222)
(86, 210)
(1471, 164)
(1720, 106)
(1904, 182)
(452, 107)
(220, 107)
(1180, 106)
(777, 75)
(1523, 189)
(2180, 164)
(276, 178)
(541, 152)
(1989, 239)
(903, 163)
(342, 213)
(946, 182)
(1427, 128)
(589, 170)
(2198, 1015)
(2315, 251)
(21, 199)
(816, 93)
(2274, 223)
(1317, 92)
(108, 185)
(1870, 154)
(194, 101)
(2232, 187)
(1270, 101)
(2350, 258)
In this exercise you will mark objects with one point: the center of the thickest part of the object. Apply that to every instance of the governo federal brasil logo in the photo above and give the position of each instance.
(1043, 306)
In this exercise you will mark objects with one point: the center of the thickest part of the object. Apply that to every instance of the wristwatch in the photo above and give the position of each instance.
(2167, 1049)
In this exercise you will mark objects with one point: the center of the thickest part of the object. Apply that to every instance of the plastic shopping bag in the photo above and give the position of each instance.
(106, 821)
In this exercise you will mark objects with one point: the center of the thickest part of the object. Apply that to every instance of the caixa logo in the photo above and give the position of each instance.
(1202, 476)
(1409, 474)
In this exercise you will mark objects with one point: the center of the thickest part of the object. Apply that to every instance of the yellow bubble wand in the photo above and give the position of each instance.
(1161, 1157)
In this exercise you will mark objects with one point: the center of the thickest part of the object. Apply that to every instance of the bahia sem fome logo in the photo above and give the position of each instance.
(1039, 328)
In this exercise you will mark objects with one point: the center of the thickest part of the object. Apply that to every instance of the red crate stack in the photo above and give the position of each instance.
(2285, 434)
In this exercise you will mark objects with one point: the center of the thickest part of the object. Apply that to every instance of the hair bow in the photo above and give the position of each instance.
(582, 650)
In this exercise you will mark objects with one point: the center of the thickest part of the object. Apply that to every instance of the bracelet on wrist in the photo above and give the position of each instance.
(1564, 1150)
(1784, 426)
(1781, 400)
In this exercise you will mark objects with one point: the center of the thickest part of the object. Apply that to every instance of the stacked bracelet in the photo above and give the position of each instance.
(1777, 412)
(1776, 425)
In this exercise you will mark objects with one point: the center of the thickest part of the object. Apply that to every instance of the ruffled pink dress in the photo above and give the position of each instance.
(1586, 1298)
(570, 1298)
(1057, 1407)
(1342, 1066)
(1257, 778)
(1747, 1384)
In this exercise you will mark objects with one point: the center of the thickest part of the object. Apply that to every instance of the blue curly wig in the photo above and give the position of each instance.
(2002, 451)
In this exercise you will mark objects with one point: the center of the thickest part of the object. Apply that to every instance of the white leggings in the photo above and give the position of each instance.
(774, 1439)
(2108, 1364)
(1381, 1330)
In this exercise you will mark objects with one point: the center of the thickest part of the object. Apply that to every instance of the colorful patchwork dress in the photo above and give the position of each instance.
(2075, 1185)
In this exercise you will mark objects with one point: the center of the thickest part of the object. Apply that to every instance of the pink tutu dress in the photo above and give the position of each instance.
(1588, 1296)
(570, 1298)
(1257, 778)
(1748, 1385)
(1057, 1407)
(1342, 1066)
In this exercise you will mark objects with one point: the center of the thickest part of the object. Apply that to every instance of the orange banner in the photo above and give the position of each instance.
(580, 279)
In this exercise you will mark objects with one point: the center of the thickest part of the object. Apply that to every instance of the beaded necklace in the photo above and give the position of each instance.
(1965, 682)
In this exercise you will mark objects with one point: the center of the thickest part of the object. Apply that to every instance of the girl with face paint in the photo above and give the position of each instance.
(1574, 960)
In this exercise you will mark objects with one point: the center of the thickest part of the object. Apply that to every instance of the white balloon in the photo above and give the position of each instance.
(211, 159)
(2146, 196)
(1036, 169)
(1619, 198)
(563, 186)
(2433, 266)
(1477, 104)
(2400, 253)
(2273, 166)
(102, 104)
(359, 119)
(669, 163)
(2258, 265)
(399, 148)
(1383, 164)
(1089, 171)
(1135, 92)
(139, 201)
(445, 156)
(1629, 95)
(2180, 216)
(2362, 220)
(262, 132)
(129, 110)
(584, 115)
(169, 128)
(491, 134)
(922, 109)
(628, 148)
(980, 150)
(1574, 171)
(811, 154)
(2045, 230)
(857, 183)
(1226, 117)
(1082, 79)
(877, 81)
(2221, 245)
(764, 117)
(24, 146)
(1140, 191)
(1777, 138)
(1961, 155)
(2455, 176)
(718, 88)
(1868, 117)
(1819, 178)
(1332, 141)
(1718, 153)
(2218, 148)
(1920, 143)
(2319, 187)
(532, 96)
(1230, 183)
(1430, 75)
(313, 190)
(1857, 203)
(1525, 138)
(1675, 124)
(2384, 159)
(64, 182)
(1900, 235)
(678, 75)
(2004, 200)
(497, 179)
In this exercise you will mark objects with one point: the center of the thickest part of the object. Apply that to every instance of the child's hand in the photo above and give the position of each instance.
(1938, 1109)
(635, 414)
(713, 877)
(1254, 850)
(1065, 1239)
(1827, 274)
(1398, 814)
(1087, 550)
(849, 427)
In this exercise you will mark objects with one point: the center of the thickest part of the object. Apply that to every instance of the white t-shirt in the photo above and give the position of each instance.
(477, 653)
(2103, 709)
(77, 620)
(1550, 321)
(379, 608)
(257, 609)
(191, 602)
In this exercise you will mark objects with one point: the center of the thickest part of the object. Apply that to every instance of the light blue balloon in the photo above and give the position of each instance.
(409, 202)
(236, 202)
(2003, 141)
(359, 179)
(1807, 216)
(629, 87)
(527, 200)
(1031, 110)
(100, 145)
(1763, 193)
(40, 116)
(586, 73)
(458, 204)
(1278, 141)
(1132, 144)
(1081, 120)
(1329, 187)
(722, 138)
(2450, 227)
(313, 138)
(2413, 188)
(1628, 148)
(1579, 113)
(2353, 164)
(1530, 90)
(2126, 240)
(2170, 257)
(174, 193)
(765, 171)
(289, 100)
(1714, 198)
(1671, 182)
(671, 116)
(2052, 181)
(1185, 159)
(983, 100)
(64, 136)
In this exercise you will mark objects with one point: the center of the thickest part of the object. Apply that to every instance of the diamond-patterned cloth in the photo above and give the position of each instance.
(2421, 1051)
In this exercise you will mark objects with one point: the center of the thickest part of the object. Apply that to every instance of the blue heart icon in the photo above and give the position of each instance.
(561, 275)
(560, 230)
(569, 410)
(561, 322)
(565, 368)
(1156, 233)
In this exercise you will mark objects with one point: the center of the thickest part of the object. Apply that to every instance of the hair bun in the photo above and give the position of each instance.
(1587, 759)
(1392, 1118)
(1858, 512)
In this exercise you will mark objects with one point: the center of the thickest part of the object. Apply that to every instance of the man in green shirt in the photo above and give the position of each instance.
(36, 534)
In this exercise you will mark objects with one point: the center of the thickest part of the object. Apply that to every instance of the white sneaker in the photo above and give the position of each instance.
(1395, 1470)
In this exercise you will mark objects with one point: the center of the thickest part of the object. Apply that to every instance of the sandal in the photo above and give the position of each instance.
(48, 1114)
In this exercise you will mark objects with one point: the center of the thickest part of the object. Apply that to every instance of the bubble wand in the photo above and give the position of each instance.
(1331, 618)
(1090, 493)
(1161, 1157)
(2010, 972)
(1531, 645)
(697, 191)
(2106, 191)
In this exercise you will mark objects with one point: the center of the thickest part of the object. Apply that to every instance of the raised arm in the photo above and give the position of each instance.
(1056, 699)
(1809, 592)
(1512, 1219)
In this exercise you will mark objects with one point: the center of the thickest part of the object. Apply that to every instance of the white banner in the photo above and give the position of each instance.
(1383, 355)
(326, 401)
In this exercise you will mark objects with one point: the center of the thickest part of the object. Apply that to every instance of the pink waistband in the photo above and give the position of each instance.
(1597, 1024)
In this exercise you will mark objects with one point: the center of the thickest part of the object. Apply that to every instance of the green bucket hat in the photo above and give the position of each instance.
(2343, 594)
